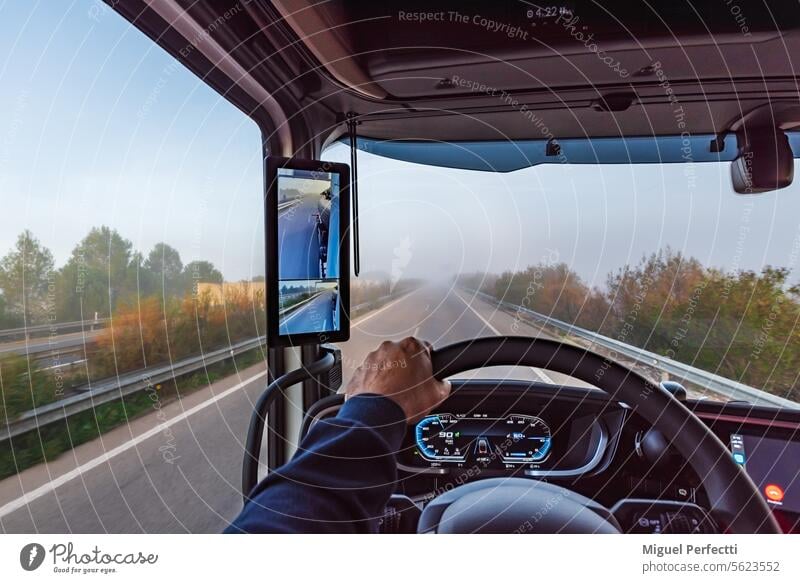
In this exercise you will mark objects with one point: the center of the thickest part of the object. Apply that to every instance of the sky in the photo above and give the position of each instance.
(594, 218)
(101, 127)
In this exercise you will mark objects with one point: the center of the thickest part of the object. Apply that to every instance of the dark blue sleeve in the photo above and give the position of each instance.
(339, 480)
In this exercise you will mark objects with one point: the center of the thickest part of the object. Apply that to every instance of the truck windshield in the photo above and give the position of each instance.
(662, 265)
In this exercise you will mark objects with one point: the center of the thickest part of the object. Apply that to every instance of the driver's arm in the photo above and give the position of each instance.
(344, 470)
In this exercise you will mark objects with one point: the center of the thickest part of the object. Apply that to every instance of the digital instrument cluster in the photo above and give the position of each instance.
(510, 441)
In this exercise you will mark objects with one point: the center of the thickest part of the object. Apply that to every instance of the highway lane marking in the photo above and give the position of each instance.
(45, 489)
(300, 309)
(386, 307)
(539, 373)
(542, 376)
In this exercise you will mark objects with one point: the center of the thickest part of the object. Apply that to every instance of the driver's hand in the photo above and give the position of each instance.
(403, 372)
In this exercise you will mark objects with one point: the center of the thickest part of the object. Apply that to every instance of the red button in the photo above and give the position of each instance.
(774, 492)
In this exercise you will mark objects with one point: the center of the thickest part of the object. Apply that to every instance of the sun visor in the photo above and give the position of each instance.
(508, 156)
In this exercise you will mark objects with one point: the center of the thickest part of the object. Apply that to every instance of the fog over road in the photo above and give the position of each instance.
(443, 315)
(147, 477)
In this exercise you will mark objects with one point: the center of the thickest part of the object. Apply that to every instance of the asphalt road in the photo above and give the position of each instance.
(63, 342)
(443, 315)
(299, 240)
(177, 469)
(314, 316)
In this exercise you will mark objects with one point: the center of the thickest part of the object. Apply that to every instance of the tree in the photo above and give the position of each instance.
(554, 290)
(27, 280)
(649, 299)
(100, 273)
(165, 265)
(6, 320)
(200, 272)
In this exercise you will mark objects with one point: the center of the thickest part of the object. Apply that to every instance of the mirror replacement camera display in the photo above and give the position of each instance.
(308, 251)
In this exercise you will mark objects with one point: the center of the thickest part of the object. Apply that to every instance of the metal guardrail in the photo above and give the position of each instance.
(713, 382)
(287, 204)
(294, 307)
(42, 348)
(370, 305)
(115, 388)
(107, 390)
(26, 331)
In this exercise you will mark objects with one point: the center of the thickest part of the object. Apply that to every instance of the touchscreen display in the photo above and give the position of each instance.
(308, 251)
(773, 466)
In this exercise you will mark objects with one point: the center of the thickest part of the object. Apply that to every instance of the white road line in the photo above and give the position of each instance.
(539, 373)
(542, 375)
(386, 307)
(481, 318)
(45, 489)
(297, 311)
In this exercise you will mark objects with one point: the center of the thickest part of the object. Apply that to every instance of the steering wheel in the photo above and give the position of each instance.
(504, 505)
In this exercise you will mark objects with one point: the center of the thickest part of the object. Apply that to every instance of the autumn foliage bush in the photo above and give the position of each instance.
(23, 386)
(151, 331)
(743, 325)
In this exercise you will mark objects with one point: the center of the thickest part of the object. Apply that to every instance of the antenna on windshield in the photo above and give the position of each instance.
(352, 122)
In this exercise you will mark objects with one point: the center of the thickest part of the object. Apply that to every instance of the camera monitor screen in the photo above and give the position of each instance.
(307, 251)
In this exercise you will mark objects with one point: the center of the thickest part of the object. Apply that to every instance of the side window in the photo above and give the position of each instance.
(131, 243)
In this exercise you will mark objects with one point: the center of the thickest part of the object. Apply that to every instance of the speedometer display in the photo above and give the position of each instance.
(438, 438)
(514, 439)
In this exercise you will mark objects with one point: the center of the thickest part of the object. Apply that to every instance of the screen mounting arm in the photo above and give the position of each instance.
(258, 417)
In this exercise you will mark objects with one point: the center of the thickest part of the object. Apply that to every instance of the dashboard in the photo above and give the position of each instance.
(580, 439)
(510, 433)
